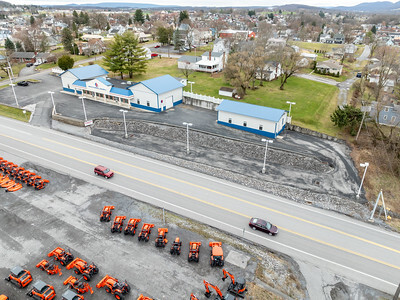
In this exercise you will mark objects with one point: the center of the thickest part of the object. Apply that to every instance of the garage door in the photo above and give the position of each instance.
(168, 102)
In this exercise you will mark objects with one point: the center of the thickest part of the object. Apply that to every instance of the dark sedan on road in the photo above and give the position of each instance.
(23, 83)
(262, 225)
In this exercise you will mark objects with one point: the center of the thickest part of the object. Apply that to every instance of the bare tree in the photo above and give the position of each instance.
(186, 71)
(290, 63)
(98, 20)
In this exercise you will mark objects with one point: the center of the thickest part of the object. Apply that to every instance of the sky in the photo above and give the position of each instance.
(211, 3)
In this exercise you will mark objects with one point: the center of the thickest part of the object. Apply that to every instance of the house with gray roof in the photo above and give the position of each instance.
(329, 67)
(389, 113)
(209, 62)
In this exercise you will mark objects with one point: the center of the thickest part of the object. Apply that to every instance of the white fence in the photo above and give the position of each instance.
(201, 100)
(56, 71)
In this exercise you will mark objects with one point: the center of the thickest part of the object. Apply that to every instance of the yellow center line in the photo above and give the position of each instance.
(229, 196)
(205, 202)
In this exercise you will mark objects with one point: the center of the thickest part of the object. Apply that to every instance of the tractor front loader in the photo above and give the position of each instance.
(161, 239)
(114, 287)
(145, 232)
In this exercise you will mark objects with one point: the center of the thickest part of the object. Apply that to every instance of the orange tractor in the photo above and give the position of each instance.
(113, 286)
(78, 286)
(42, 290)
(70, 295)
(236, 287)
(49, 268)
(176, 247)
(64, 257)
(3, 297)
(82, 267)
(145, 233)
(141, 297)
(131, 226)
(194, 251)
(118, 224)
(193, 297)
(217, 254)
(19, 276)
(161, 239)
(105, 215)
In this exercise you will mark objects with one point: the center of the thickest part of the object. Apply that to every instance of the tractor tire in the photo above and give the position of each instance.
(126, 232)
(95, 270)
(77, 272)
(87, 277)
(112, 230)
(7, 278)
(222, 263)
(108, 290)
(119, 296)
(147, 239)
(171, 251)
(108, 219)
(197, 259)
(62, 262)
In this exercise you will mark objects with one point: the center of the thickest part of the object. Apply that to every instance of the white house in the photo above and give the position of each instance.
(257, 119)
(156, 94)
(272, 70)
(329, 67)
(209, 62)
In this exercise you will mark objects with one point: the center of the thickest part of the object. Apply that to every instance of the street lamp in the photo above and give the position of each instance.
(123, 113)
(266, 150)
(15, 96)
(290, 107)
(52, 100)
(191, 85)
(187, 135)
(365, 165)
(83, 105)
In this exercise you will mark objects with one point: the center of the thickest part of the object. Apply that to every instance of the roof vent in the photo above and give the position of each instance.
(129, 82)
(123, 82)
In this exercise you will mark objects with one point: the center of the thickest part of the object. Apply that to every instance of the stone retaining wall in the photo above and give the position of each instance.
(224, 144)
(312, 132)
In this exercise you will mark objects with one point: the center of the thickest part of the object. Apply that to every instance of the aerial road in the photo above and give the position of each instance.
(357, 250)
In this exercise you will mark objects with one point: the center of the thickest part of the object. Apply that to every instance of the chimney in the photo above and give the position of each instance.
(209, 55)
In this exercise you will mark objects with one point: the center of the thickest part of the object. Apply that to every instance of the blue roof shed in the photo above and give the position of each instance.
(162, 84)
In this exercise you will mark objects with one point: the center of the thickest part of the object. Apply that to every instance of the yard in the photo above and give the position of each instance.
(314, 101)
(14, 113)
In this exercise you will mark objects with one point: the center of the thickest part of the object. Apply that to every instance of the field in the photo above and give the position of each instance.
(14, 113)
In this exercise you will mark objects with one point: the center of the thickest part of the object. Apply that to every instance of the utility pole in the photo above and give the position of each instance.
(365, 109)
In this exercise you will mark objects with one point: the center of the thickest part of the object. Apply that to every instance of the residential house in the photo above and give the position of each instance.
(329, 67)
(188, 62)
(276, 42)
(389, 113)
(338, 38)
(23, 57)
(272, 70)
(210, 62)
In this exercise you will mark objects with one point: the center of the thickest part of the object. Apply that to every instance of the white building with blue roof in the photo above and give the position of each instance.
(156, 94)
(261, 120)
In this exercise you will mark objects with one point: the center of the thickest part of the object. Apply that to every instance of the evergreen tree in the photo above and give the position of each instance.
(108, 26)
(75, 17)
(114, 58)
(183, 15)
(32, 20)
(9, 45)
(139, 16)
(65, 62)
(147, 17)
(134, 56)
(347, 117)
(19, 46)
(130, 21)
(373, 29)
(164, 35)
(67, 39)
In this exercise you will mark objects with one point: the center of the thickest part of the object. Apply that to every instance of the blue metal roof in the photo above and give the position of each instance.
(162, 84)
(251, 110)
(122, 92)
(103, 81)
(80, 83)
(88, 72)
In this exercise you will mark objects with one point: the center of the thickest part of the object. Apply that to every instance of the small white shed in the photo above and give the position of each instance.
(257, 119)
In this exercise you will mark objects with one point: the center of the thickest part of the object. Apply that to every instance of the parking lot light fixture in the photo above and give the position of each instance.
(290, 106)
(187, 136)
(15, 96)
(84, 109)
(266, 150)
(52, 100)
(364, 165)
(123, 113)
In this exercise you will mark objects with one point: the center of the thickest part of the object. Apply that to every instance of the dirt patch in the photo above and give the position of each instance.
(255, 292)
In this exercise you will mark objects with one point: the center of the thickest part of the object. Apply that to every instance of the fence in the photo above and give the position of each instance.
(201, 100)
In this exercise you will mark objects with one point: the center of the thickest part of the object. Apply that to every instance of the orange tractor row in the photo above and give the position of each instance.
(13, 173)
(82, 267)
(77, 285)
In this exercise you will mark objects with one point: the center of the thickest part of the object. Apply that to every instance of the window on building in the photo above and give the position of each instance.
(245, 124)
(260, 127)
(230, 121)
(393, 119)
(148, 103)
(386, 108)
(385, 117)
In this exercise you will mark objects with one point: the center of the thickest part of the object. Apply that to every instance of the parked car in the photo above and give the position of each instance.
(154, 55)
(29, 65)
(262, 225)
(359, 75)
(103, 171)
(37, 63)
(23, 83)
(157, 46)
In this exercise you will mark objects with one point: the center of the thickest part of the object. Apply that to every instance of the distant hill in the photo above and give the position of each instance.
(5, 4)
(292, 7)
(119, 5)
(380, 6)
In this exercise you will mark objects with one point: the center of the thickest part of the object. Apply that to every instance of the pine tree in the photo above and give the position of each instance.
(32, 20)
(19, 46)
(139, 16)
(147, 17)
(135, 56)
(114, 58)
(9, 45)
(67, 39)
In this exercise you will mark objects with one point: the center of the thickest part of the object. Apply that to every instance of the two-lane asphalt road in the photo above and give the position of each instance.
(348, 247)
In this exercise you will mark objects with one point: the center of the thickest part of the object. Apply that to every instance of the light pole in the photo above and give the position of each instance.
(187, 135)
(365, 165)
(123, 113)
(290, 107)
(15, 96)
(84, 109)
(191, 85)
(266, 150)
(52, 100)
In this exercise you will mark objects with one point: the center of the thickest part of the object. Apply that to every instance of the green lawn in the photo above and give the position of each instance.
(314, 101)
(315, 46)
(200, 50)
(14, 113)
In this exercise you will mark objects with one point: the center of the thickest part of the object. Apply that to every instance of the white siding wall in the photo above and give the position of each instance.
(176, 96)
(68, 79)
(143, 94)
(253, 123)
(184, 65)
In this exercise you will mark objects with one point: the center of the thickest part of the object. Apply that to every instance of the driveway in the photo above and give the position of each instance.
(317, 78)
